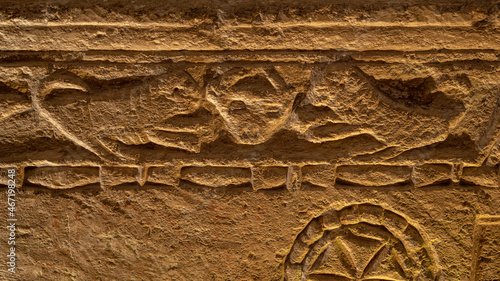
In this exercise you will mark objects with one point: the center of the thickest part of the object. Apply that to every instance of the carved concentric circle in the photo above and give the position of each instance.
(360, 242)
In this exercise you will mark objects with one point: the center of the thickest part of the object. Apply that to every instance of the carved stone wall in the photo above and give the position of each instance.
(328, 140)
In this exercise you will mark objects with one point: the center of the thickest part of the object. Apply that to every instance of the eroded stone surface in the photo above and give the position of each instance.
(486, 248)
(351, 140)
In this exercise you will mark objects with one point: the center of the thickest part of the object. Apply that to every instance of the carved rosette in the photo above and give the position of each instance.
(361, 242)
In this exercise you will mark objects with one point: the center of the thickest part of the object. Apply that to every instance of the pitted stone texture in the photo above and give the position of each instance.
(165, 175)
(62, 177)
(269, 177)
(321, 175)
(482, 176)
(249, 140)
(486, 256)
(216, 176)
(374, 175)
(431, 174)
(113, 176)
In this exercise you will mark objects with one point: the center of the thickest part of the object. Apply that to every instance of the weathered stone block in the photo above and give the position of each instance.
(167, 175)
(481, 176)
(62, 177)
(429, 174)
(216, 176)
(113, 176)
(486, 251)
(321, 175)
(269, 177)
(374, 175)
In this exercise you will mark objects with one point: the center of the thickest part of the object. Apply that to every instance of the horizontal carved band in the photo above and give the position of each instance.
(165, 112)
(259, 177)
(293, 36)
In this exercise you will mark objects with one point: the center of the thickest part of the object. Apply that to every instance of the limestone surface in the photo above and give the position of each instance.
(250, 140)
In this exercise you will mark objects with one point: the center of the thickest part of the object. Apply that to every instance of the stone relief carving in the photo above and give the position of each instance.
(254, 102)
(336, 113)
(361, 242)
(414, 113)
(103, 115)
(299, 110)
